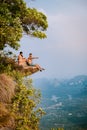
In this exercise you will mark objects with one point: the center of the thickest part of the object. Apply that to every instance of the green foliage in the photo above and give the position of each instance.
(34, 23)
(10, 27)
(24, 103)
(15, 19)
(57, 128)
(25, 111)
(6, 64)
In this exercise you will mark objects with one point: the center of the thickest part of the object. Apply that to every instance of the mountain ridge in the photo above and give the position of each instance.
(65, 102)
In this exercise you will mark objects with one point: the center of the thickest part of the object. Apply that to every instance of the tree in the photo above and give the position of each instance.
(17, 19)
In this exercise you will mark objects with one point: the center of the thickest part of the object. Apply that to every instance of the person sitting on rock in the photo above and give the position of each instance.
(21, 59)
(30, 63)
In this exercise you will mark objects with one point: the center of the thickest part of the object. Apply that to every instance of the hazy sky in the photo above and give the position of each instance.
(64, 53)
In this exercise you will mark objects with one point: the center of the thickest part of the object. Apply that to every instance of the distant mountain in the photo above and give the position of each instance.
(65, 102)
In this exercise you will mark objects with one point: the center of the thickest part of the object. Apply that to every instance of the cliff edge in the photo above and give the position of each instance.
(7, 91)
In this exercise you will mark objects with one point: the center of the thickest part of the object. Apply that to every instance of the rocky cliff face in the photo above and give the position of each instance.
(7, 91)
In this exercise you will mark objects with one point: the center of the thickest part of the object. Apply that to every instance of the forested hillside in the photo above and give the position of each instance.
(65, 103)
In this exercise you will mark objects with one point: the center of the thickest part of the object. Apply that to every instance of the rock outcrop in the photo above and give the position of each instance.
(24, 69)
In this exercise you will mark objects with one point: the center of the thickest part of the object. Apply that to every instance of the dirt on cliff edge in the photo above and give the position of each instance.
(7, 91)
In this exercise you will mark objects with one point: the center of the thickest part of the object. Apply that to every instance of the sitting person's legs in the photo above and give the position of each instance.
(36, 65)
(39, 67)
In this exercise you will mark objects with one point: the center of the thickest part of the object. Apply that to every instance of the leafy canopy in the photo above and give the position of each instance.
(17, 19)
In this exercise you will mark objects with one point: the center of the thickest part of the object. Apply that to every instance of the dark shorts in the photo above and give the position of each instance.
(30, 64)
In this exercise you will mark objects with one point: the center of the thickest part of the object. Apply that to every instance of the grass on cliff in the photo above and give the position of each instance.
(18, 102)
